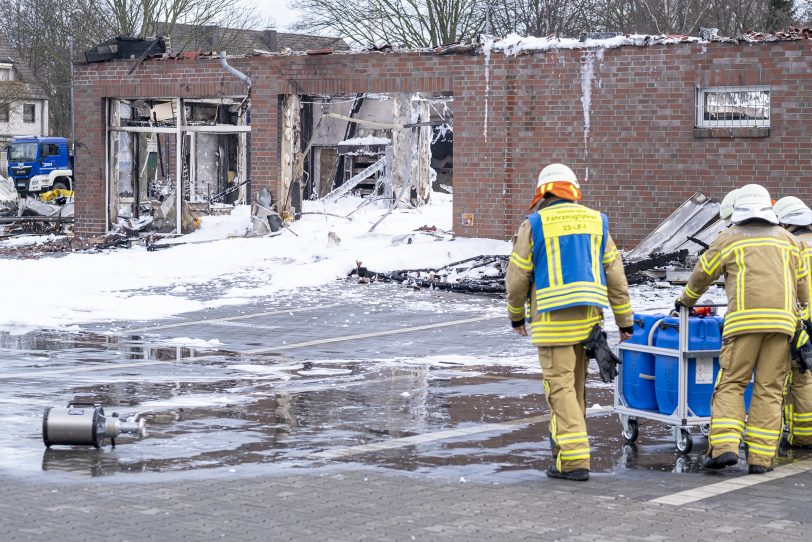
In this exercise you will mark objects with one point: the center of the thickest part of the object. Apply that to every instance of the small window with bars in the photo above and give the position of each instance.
(733, 107)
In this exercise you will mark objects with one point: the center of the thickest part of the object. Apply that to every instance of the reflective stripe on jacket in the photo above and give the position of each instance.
(806, 252)
(765, 278)
(568, 232)
(569, 325)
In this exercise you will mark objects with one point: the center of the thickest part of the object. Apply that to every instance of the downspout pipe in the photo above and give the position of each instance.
(234, 71)
(247, 80)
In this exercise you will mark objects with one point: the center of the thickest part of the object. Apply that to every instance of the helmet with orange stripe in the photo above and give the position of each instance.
(558, 180)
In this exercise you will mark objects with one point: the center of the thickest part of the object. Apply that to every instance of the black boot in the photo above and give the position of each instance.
(758, 469)
(727, 459)
(578, 475)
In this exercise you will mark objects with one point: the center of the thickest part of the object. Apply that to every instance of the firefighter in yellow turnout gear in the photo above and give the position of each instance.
(765, 277)
(796, 217)
(566, 263)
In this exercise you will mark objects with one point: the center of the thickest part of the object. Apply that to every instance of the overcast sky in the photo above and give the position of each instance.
(278, 10)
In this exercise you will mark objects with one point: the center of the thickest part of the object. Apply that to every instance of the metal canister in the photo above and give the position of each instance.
(78, 425)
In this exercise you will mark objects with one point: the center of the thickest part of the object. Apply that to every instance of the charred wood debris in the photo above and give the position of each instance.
(664, 257)
(486, 274)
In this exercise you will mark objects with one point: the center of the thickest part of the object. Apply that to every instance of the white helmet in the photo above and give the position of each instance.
(555, 173)
(791, 210)
(726, 208)
(753, 201)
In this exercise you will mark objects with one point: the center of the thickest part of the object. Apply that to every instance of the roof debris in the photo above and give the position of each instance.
(511, 45)
(697, 218)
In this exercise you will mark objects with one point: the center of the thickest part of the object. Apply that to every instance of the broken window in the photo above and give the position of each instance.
(169, 152)
(385, 147)
(723, 107)
(4, 113)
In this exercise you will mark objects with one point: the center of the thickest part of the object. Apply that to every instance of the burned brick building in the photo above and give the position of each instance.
(644, 121)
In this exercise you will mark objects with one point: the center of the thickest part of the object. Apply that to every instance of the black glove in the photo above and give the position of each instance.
(597, 349)
(801, 347)
(627, 329)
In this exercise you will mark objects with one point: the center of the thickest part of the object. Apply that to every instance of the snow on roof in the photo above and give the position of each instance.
(515, 44)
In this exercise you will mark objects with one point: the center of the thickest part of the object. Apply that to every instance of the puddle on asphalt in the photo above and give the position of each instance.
(273, 413)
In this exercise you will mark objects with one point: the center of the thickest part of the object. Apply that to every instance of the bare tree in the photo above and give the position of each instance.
(653, 16)
(731, 17)
(543, 17)
(44, 32)
(412, 23)
(780, 14)
(803, 12)
(11, 94)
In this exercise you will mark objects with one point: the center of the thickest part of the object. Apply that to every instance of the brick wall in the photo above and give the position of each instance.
(642, 154)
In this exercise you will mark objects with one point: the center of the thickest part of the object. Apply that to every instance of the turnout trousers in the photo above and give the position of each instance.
(798, 407)
(564, 369)
(768, 355)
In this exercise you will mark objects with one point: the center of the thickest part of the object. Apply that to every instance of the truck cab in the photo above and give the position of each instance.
(39, 164)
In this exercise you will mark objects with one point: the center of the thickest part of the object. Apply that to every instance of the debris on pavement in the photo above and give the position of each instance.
(480, 274)
(9, 199)
(53, 244)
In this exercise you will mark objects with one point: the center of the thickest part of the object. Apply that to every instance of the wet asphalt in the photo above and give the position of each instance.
(311, 380)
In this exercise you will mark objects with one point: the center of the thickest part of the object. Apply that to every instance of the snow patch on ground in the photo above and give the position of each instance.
(27, 240)
(136, 285)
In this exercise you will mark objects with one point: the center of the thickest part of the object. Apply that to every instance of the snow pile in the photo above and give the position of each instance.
(27, 240)
(217, 227)
(129, 285)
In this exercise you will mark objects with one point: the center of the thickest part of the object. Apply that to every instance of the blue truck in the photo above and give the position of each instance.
(39, 164)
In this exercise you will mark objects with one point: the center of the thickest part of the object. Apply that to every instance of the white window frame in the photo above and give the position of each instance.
(34, 116)
(699, 115)
(7, 69)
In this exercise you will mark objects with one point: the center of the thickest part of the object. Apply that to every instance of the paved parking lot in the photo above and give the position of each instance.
(345, 413)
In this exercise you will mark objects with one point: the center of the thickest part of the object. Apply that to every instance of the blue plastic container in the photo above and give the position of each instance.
(703, 334)
(638, 368)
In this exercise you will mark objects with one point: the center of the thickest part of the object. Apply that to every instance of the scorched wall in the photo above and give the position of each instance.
(622, 118)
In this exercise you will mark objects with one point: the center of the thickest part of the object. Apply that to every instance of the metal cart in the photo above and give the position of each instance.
(682, 419)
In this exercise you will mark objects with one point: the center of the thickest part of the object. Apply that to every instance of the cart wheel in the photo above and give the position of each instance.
(684, 441)
(704, 430)
(631, 433)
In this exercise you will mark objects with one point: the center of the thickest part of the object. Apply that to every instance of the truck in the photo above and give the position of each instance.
(39, 164)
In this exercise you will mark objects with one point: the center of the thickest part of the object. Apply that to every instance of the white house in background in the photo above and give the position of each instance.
(23, 104)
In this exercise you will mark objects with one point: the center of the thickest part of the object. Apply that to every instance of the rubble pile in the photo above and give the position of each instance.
(49, 212)
(481, 274)
(66, 244)
(667, 253)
